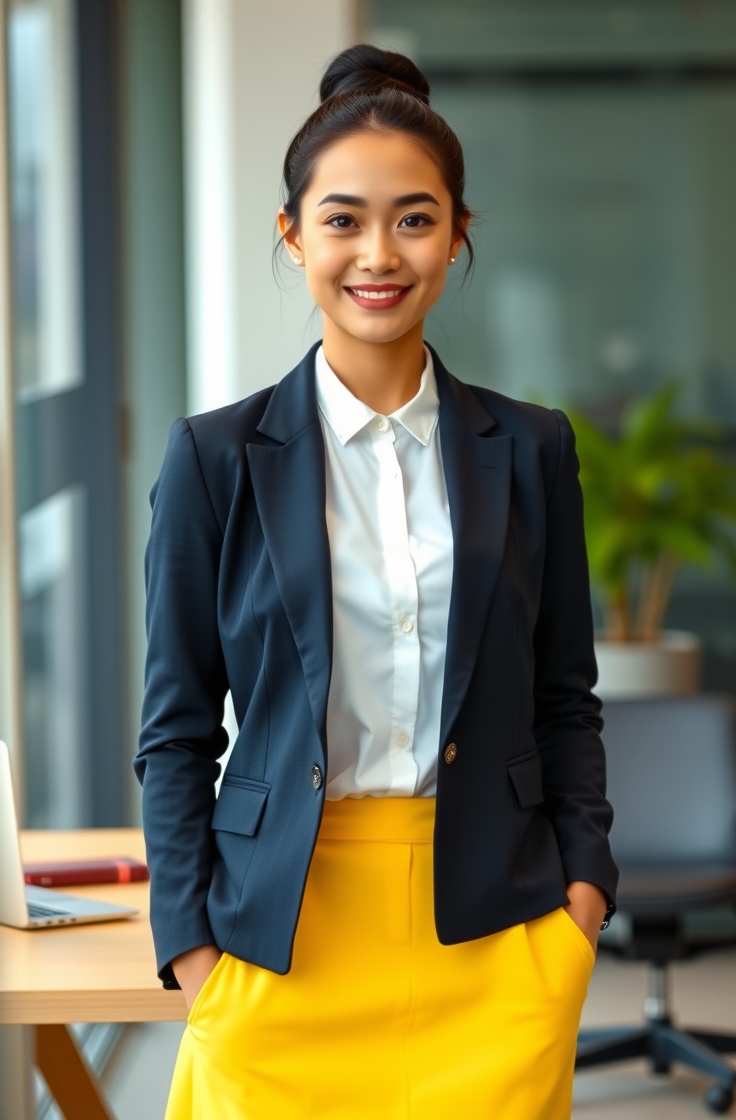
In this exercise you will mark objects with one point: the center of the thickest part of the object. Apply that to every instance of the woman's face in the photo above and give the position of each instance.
(375, 234)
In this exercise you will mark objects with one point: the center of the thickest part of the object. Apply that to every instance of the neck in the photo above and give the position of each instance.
(383, 375)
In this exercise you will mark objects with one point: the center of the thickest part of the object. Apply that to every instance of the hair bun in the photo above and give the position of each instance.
(368, 69)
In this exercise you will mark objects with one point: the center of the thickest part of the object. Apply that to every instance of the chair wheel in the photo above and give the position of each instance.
(719, 1098)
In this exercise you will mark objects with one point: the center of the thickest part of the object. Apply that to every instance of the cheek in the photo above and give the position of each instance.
(430, 266)
(428, 259)
(325, 264)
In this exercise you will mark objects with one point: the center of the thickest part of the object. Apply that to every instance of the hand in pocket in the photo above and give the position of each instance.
(586, 906)
(192, 969)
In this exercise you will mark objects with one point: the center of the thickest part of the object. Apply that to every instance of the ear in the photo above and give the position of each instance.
(289, 230)
(458, 240)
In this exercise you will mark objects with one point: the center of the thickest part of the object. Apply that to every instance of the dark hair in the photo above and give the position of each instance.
(368, 89)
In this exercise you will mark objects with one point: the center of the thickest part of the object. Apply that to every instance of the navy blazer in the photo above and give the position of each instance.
(239, 598)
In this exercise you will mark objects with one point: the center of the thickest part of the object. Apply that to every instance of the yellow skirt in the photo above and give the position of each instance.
(376, 1019)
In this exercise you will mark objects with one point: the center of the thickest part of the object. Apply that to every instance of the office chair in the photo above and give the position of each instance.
(672, 783)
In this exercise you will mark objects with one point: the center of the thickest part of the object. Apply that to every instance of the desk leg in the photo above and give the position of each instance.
(17, 1095)
(70, 1082)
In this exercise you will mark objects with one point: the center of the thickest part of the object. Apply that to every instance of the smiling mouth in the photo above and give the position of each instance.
(376, 297)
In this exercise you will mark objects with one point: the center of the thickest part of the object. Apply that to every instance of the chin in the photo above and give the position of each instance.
(378, 332)
(379, 339)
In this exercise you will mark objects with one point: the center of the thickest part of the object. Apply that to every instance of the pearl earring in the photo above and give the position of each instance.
(452, 260)
(297, 260)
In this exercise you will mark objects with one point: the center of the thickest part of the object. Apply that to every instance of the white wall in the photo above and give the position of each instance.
(10, 641)
(252, 73)
(16, 1095)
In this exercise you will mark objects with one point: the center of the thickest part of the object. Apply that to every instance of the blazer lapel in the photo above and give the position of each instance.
(288, 477)
(478, 476)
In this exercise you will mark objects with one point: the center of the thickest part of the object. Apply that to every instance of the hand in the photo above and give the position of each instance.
(192, 969)
(587, 906)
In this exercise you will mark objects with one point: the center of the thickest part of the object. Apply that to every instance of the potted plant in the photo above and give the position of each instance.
(658, 495)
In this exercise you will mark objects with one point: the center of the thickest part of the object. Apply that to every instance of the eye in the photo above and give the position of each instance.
(415, 221)
(341, 221)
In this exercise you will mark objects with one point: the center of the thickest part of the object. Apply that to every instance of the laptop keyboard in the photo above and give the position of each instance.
(36, 910)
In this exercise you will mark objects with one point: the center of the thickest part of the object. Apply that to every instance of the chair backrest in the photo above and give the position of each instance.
(671, 766)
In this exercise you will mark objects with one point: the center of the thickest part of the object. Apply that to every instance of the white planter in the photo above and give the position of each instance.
(666, 667)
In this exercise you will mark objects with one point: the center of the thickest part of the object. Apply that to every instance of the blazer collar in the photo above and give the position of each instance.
(459, 400)
(293, 402)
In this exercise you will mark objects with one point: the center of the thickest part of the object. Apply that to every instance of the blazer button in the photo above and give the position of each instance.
(316, 777)
(450, 752)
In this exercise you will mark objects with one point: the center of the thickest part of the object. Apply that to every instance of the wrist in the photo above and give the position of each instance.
(192, 968)
(191, 959)
(582, 893)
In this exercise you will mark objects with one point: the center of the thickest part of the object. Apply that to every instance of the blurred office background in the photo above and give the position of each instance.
(144, 147)
(144, 140)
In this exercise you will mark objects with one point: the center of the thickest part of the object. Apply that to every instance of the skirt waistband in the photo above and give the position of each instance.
(397, 820)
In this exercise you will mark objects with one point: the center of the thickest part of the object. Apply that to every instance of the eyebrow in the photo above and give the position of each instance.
(355, 200)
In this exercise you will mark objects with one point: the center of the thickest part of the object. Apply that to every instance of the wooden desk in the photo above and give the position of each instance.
(99, 973)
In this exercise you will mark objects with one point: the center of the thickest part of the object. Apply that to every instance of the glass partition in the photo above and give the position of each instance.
(43, 196)
(48, 371)
(598, 264)
(53, 623)
(63, 221)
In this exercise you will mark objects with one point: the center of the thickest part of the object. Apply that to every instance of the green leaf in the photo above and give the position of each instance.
(661, 486)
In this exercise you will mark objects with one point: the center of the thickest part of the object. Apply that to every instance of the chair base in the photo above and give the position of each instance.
(663, 1044)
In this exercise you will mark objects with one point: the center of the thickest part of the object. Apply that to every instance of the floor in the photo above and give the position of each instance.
(703, 993)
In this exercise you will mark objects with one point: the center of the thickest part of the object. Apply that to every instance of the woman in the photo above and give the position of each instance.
(392, 907)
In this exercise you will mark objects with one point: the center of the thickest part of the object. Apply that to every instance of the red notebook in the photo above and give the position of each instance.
(70, 873)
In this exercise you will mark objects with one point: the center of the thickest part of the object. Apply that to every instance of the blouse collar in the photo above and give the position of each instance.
(347, 416)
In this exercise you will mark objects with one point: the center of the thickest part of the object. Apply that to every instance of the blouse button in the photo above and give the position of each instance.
(407, 624)
(316, 777)
(382, 424)
(450, 752)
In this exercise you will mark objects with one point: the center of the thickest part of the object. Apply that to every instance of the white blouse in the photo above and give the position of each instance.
(388, 523)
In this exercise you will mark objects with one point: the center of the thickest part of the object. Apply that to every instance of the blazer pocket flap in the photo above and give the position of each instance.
(240, 805)
(527, 780)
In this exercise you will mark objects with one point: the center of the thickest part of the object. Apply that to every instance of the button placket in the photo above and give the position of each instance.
(402, 583)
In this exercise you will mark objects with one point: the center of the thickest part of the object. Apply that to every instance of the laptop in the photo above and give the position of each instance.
(27, 907)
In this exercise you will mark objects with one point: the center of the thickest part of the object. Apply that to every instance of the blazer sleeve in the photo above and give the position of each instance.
(185, 688)
(567, 720)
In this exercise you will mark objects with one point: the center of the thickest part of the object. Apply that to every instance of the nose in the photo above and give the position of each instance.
(378, 253)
